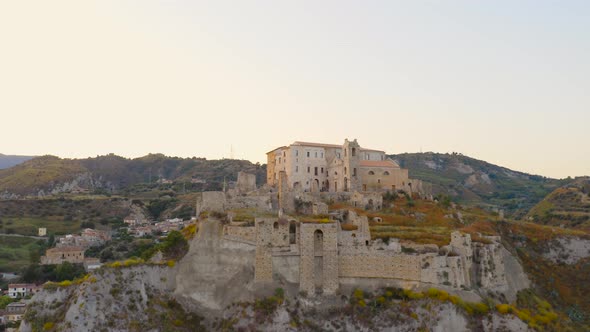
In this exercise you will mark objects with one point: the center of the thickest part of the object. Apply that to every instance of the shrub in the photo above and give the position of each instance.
(48, 326)
(503, 308)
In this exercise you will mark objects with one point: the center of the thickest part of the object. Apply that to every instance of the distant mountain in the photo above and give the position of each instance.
(7, 161)
(473, 181)
(568, 206)
(50, 175)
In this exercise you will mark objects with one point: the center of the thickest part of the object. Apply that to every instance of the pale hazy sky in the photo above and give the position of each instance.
(503, 81)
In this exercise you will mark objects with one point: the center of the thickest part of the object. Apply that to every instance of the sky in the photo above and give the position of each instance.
(503, 81)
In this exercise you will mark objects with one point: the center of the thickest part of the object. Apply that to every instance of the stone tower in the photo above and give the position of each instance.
(351, 157)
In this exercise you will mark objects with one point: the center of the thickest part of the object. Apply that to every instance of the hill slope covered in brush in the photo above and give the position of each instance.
(111, 173)
(468, 180)
(7, 161)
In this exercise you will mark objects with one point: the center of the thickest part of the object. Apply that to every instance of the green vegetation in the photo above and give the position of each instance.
(39, 274)
(174, 246)
(129, 176)
(537, 313)
(468, 180)
(568, 206)
(30, 225)
(18, 252)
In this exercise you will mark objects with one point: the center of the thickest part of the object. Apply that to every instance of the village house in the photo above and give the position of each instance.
(22, 290)
(131, 221)
(91, 264)
(15, 311)
(59, 255)
(315, 167)
(88, 238)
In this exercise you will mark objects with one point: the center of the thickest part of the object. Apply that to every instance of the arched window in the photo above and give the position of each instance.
(371, 173)
(386, 173)
(275, 225)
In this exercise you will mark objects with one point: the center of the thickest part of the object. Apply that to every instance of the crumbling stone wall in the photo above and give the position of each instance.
(240, 233)
(328, 252)
(280, 233)
(490, 265)
(263, 264)
(210, 201)
(380, 265)
(246, 182)
(443, 270)
(367, 200)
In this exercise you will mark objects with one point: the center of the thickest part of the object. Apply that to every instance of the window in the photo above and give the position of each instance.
(296, 169)
(315, 171)
(307, 154)
(296, 153)
(322, 170)
(308, 169)
(316, 154)
(353, 152)
(344, 170)
(322, 155)
(279, 160)
(371, 173)
(378, 180)
(354, 172)
(386, 173)
(284, 153)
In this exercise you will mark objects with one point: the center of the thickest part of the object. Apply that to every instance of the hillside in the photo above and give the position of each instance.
(568, 205)
(468, 180)
(7, 161)
(111, 174)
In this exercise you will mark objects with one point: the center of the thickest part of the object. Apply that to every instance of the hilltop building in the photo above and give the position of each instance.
(315, 167)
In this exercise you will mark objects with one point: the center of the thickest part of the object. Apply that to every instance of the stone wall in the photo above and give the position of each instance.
(319, 240)
(210, 201)
(246, 182)
(280, 233)
(444, 270)
(240, 233)
(376, 265)
(263, 262)
(490, 265)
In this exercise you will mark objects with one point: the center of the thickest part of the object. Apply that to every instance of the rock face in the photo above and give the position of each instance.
(104, 304)
(215, 272)
(568, 250)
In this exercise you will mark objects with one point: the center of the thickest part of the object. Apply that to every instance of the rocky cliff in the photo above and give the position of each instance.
(215, 280)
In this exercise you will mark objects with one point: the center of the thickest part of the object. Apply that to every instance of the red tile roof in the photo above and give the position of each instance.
(65, 249)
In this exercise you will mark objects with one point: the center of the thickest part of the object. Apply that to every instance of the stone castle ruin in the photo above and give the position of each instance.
(320, 251)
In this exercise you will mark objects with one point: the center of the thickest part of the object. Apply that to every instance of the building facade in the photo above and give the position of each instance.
(315, 167)
(74, 255)
(22, 290)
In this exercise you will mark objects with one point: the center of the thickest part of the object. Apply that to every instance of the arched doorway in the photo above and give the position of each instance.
(318, 260)
(315, 185)
(292, 232)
